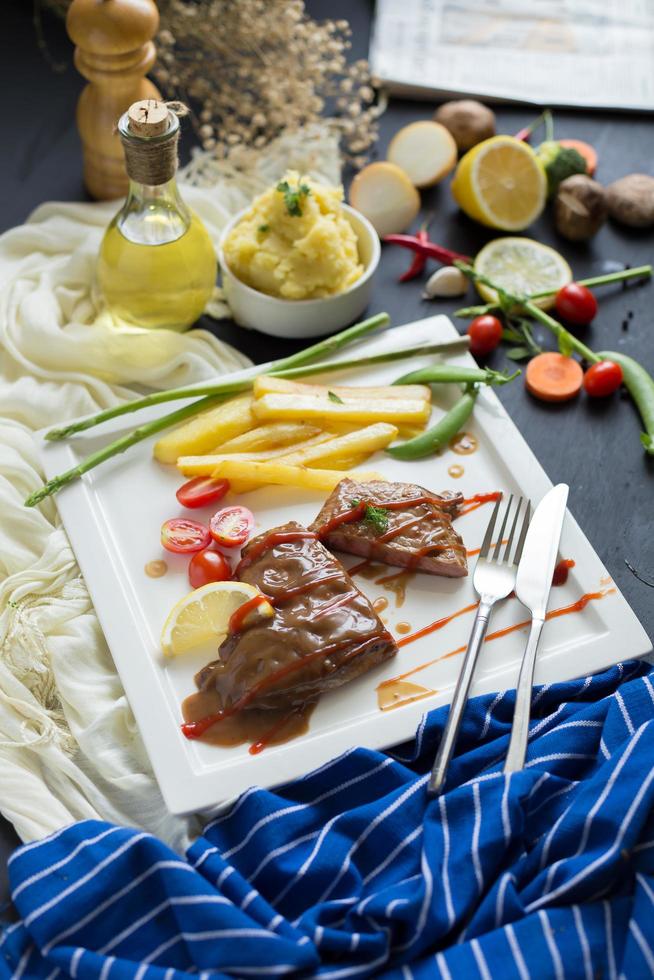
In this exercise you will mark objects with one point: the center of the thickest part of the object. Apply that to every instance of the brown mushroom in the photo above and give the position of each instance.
(468, 121)
(631, 200)
(580, 207)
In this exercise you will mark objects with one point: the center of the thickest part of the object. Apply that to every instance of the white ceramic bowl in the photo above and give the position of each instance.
(303, 317)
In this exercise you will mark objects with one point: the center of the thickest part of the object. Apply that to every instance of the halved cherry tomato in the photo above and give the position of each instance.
(231, 526)
(183, 536)
(485, 333)
(208, 566)
(202, 490)
(602, 379)
(576, 304)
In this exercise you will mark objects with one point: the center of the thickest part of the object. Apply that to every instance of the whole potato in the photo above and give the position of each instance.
(631, 200)
(468, 121)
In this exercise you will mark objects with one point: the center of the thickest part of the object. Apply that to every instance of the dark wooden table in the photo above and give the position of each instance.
(593, 446)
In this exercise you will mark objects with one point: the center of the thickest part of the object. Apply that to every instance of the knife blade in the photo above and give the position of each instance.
(532, 587)
(534, 579)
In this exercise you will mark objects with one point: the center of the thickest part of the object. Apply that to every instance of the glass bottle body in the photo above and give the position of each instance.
(157, 264)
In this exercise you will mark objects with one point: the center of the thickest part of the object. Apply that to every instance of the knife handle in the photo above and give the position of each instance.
(515, 757)
(460, 699)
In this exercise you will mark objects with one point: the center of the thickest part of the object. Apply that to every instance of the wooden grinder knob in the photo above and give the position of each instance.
(114, 50)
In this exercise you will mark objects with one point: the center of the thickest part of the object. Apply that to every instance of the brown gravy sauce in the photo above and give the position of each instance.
(156, 568)
(397, 584)
(259, 726)
(380, 604)
(463, 443)
(401, 692)
(403, 627)
(456, 471)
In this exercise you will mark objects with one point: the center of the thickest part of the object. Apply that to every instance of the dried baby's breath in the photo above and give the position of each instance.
(254, 69)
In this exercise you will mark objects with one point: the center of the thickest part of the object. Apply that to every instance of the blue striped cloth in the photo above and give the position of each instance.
(353, 872)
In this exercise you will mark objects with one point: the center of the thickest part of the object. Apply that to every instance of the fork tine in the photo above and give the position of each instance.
(523, 534)
(488, 537)
(496, 553)
(507, 550)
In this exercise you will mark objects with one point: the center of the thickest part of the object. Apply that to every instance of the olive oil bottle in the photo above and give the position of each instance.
(157, 264)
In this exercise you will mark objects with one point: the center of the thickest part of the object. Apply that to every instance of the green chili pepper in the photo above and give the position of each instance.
(443, 373)
(440, 434)
(640, 385)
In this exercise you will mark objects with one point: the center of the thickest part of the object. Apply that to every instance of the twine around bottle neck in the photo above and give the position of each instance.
(152, 160)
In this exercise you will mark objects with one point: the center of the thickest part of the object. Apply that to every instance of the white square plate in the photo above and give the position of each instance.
(113, 516)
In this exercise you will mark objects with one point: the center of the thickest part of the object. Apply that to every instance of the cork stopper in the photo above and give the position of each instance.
(148, 118)
(149, 132)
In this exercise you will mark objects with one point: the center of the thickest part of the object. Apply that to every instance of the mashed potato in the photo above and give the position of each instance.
(295, 242)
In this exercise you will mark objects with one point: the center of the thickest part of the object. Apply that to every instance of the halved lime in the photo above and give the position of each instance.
(522, 266)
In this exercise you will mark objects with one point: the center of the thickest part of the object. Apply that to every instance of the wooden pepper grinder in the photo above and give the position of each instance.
(114, 50)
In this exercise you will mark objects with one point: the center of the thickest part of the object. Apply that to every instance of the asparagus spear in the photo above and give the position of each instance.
(150, 428)
(227, 388)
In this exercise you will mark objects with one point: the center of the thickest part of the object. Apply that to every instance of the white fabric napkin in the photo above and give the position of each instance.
(69, 746)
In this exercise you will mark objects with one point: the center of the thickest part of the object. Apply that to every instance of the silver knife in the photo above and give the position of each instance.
(532, 587)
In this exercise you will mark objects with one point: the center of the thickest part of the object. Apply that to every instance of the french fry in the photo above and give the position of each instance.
(282, 474)
(270, 436)
(263, 454)
(267, 385)
(207, 430)
(289, 406)
(362, 442)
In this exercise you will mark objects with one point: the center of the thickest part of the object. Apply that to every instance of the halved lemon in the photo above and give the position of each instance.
(501, 183)
(522, 266)
(203, 615)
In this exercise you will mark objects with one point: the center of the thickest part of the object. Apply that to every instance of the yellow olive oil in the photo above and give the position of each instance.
(157, 264)
(157, 285)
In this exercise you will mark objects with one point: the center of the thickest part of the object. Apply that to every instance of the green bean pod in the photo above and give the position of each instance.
(640, 385)
(447, 373)
(440, 434)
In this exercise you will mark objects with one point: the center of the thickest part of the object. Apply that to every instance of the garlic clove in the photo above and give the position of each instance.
(448, 281)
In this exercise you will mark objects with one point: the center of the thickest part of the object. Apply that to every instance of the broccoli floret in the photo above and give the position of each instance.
(559, 162)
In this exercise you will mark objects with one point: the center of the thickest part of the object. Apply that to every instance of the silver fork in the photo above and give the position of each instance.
(493, 579)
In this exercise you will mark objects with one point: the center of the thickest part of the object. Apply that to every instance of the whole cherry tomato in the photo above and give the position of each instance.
(602, 379)
(576, 304)
(202, 490)
(208, 566)
(485, 334)
(183, 536)
(231, 526)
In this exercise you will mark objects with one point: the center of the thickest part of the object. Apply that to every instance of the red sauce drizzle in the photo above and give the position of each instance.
(438, 625)
(269, 736)
(239, 615)
(479, 499)
(574, 607)
(560, 576)
(269, 541)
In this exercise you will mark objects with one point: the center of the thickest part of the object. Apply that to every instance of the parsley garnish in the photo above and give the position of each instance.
(333, 397)
(293, 198)
(263, 228)
(376, 517)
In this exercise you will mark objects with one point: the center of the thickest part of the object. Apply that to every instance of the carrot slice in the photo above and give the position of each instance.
(553, 377)
(587, 152)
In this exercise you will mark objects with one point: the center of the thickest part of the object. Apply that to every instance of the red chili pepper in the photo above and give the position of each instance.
(430, 250)
(419, 261)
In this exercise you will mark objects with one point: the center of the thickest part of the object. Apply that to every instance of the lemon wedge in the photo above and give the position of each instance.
(523, 266)
(203, 615)
(501, 183)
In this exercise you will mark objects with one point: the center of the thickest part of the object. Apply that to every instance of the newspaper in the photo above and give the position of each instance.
(591, 53)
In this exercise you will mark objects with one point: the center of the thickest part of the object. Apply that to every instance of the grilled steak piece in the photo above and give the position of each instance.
(324, 632)
(413, 530)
